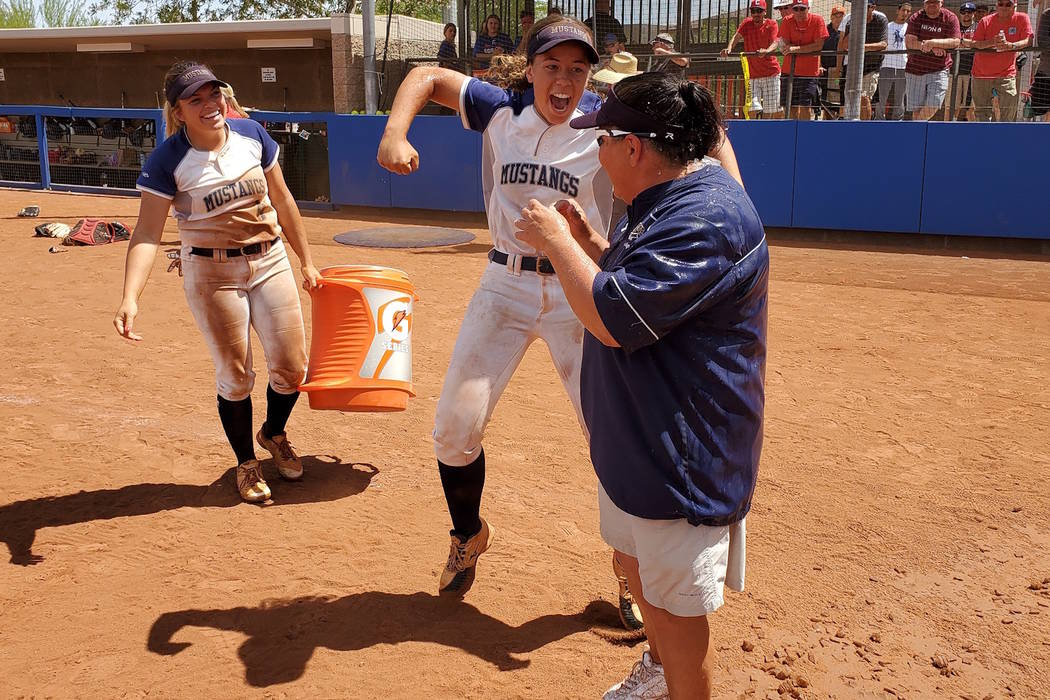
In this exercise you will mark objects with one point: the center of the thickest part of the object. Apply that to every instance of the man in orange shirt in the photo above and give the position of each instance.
(803, 33)
(759, 34)
(1006, 31)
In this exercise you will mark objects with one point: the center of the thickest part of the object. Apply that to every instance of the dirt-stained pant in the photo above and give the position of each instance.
(229, 295)
(506, 313)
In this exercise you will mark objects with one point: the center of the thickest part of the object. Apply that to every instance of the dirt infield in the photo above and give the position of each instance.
(899, 542)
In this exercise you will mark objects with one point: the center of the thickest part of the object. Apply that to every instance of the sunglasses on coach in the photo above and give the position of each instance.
(615, 133)
(757, 11)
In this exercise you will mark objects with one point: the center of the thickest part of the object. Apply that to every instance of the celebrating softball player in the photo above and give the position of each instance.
(529, 151)
(232, 205)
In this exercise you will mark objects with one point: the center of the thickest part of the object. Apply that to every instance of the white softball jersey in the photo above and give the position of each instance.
(524, 157)
(220, 199)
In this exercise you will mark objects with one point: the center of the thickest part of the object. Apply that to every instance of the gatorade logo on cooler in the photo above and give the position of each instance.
(390, 356)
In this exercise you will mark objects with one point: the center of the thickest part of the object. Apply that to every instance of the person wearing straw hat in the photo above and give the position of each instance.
(619, 66)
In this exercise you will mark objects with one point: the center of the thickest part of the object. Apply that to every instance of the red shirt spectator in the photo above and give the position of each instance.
(1000, 64)
(801, 32)
(760, 34)
(920, 25)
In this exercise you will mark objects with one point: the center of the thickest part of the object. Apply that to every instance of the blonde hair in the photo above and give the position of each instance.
(232, 103)
(172, 124)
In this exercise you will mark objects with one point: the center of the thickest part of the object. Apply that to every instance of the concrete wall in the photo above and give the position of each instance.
(304, 77)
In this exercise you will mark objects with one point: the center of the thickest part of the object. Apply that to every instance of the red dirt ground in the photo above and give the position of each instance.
(901, 516)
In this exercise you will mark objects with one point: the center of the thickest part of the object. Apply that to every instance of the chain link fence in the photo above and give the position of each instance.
(303, 157)
(98, 151)
(19, 150)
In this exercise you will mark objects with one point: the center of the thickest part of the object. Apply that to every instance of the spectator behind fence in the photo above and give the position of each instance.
(981, 11)
(874, 44)
(602, 22)
(803, 34)
(1006, 31)
(447, 50)
(783, 10)
(891, 76)
(613, 45)
(526, 18)
(934, 32)
(663, 45)
(619, 66)
(491, 41)
(829, 82)
(963, 91)
(1041, 80)
(759, 34)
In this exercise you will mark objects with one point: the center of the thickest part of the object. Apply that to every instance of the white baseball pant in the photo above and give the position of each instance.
(229, 295)
(507, 312)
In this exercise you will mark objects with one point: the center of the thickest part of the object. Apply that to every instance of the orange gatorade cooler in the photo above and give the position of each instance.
(361, 346)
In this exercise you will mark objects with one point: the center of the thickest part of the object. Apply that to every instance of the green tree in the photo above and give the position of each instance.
(164, 11)
(420, 9)
(17, 14)
(49, 13)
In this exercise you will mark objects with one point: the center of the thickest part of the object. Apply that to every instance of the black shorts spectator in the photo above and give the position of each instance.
(1041, 94)
(805, 92)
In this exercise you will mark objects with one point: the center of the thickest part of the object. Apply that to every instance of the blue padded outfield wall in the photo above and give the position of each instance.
(902, 177)
(906, 177)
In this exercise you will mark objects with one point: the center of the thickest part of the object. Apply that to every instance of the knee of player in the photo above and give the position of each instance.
(235, 387)
(286, 380)
(455, 450)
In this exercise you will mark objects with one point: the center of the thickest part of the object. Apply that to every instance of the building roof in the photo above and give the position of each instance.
(257, 34)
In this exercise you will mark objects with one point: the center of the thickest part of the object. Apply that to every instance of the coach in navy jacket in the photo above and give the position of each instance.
(674, 360)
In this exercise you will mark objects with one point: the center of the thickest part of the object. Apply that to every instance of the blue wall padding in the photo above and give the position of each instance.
(859, 176)
(354, 175)
(986, 180)
(449, 175)
(765, 152)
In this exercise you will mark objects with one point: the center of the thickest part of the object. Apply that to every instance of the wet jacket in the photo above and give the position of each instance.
(675, 413)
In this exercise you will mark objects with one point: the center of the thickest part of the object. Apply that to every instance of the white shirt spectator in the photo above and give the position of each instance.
(895, 42)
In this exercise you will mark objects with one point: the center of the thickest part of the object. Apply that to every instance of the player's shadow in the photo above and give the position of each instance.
(326, 480)
(283, 635)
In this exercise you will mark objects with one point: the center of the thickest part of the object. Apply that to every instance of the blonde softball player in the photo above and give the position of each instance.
(529, 151)
(232, 206)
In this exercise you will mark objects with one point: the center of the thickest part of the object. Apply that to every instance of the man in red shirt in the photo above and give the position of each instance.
(803, 33)
(760, 36)
(933, 31)
(1006, 31)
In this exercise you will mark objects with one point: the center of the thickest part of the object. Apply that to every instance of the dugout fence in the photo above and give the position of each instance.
(103, 150)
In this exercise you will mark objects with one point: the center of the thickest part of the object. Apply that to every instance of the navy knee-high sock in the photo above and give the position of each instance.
(236, 417)
(463, 487)
(278, 408)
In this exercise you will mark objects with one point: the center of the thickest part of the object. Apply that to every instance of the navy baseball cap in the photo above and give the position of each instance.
(968, 7)
(614, 113)
(190, 81)
(558, 33)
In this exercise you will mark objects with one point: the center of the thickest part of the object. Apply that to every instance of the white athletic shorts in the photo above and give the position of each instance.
(765, 95)
(683, 567)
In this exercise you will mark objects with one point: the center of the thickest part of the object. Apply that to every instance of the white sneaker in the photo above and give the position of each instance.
(645, 682)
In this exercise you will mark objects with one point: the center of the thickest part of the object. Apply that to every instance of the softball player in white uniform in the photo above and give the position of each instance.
(529, 152)
(232, 206)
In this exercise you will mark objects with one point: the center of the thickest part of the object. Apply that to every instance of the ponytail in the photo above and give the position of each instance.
(687, 108)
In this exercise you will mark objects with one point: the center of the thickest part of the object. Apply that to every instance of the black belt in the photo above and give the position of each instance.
(529, 264)
(252, 249)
